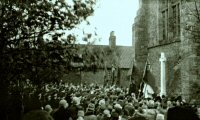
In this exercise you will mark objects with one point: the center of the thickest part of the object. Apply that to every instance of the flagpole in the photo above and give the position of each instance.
(144, 73)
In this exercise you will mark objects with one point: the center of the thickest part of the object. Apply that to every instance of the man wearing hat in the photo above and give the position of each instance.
(62, 113)
(89, 115)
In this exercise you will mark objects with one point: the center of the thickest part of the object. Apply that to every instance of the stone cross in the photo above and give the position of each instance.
(162, 74)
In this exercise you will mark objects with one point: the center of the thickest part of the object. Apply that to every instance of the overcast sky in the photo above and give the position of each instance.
(113, 15)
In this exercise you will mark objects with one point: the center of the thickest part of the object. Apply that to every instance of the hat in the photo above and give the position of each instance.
(117, 106)
(81, 113)
(48, 108)
(160, 117)
(63, 103)
(102, 102)
(151, 104)
(106, 113)
(76, 100)
(91, 107)
(37, 115)
(110, 107)
(114, 115)
(102, 107)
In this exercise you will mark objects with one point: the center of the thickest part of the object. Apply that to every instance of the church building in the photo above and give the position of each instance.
(167, 46)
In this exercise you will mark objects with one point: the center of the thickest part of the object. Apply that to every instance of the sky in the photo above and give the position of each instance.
(113, 15)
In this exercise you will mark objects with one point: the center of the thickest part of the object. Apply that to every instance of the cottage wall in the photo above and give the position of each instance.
(89, 77)
(124, 79)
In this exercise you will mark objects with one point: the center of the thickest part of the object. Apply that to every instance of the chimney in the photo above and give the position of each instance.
(112, 40)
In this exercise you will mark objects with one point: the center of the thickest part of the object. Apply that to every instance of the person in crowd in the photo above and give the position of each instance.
(129, 111)
(182, 113)
(106, 115)
(198, 111)
(114, 116)
(48, 108)
(90, 112)
(73, 109)
(132, 88)
(37, 115)
(62, 113)
(54, 100)
(81, 114)
(101, 103)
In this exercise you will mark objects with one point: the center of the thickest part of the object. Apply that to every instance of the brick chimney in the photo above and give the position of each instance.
(112, 40)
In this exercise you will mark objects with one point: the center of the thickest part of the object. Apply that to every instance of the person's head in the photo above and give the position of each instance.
(40, 95)
(37, 115)
(90, 108)
(181, 113)
(198, 112)
(169, 104)
(106, 113)
(63, 103)
(75, 101)
(49, 97)
(55, 96)
(114, 116)
(130, 109)
(48, 108)
(118, 108)
(81, 113)
(178, 103)
(160, 117)
(126, 112)
(138, 118)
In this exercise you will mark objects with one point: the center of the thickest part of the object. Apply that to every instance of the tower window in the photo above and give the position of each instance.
(176, 20)
(165, 24)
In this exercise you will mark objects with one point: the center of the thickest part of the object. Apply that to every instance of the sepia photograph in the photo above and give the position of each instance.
(99, 59)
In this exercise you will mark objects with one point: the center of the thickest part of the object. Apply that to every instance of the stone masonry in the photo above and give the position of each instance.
(160, 26)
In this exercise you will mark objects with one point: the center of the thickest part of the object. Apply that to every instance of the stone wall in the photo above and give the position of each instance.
(190, 47)
(173, 82)
(153, 23)
(182, 52)
(140, 39)
(146, 34)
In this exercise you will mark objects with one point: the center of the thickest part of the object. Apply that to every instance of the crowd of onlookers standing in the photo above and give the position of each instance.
(93, 102)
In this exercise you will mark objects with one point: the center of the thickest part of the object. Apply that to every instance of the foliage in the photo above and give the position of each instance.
(32, 42)
(193, 24)
(192, 30)
(93, 57)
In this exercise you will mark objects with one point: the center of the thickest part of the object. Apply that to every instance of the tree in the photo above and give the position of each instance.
(193, 20)
(32, 42)
(23, 27)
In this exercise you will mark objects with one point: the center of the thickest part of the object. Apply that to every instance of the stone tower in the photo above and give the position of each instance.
(160, 26)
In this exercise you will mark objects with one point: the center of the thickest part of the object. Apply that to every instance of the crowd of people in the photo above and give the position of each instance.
(95, 102)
